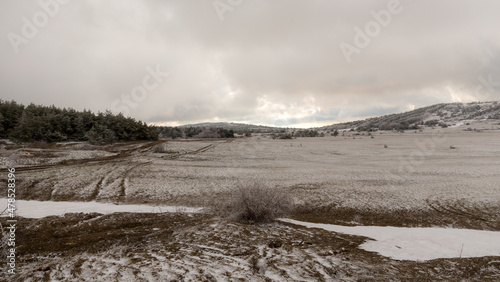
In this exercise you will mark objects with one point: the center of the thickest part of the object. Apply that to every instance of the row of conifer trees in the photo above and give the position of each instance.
(51, 124)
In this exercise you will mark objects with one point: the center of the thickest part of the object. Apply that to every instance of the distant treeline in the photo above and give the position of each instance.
(50, 124)
(195, 132)
(296, 133)
(219, 132)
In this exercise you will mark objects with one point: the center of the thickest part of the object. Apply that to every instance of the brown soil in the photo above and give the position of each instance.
(455, 218)
(44, 245)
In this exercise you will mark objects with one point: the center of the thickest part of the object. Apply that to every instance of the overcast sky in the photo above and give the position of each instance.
(284, 63)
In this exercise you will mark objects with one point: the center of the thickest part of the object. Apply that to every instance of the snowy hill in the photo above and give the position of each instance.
(439, 114)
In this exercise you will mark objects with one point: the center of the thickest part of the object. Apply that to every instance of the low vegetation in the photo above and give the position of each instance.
(160, 148)
(194, 132)
(256, 203)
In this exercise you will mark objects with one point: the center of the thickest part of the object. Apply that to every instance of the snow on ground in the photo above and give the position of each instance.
(416, 172)
(394, 242)
(36, 156)
(419, 244)
(39, 209)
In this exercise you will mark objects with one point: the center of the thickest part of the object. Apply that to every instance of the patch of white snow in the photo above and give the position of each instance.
(419, 244)
(39, 209)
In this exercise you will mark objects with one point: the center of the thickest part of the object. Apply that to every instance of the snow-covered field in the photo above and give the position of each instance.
(447, 179)
(417, 171)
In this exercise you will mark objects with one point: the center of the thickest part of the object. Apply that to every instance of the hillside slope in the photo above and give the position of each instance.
(439, 114)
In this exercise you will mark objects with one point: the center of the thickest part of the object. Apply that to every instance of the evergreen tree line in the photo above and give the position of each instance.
(296, 133)
(51, 124)
(194, 132)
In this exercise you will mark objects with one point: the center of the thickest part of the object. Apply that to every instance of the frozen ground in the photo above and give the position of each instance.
(197, 247)
(435, 178)
(449, 176)
(394, 242)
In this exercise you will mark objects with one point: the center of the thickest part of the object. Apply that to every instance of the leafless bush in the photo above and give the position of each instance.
(160, 148)
(256, 203)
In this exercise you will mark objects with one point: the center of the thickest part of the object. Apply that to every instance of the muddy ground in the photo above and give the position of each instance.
(178, 247)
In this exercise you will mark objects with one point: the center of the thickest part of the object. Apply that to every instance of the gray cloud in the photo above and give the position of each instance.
(267, 62)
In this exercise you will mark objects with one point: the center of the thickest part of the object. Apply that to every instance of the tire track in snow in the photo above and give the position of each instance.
(100, 184)
(201, 150)
(125, 180)
(120, 155)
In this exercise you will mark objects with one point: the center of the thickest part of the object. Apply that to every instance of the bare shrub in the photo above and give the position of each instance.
(160, 148)
(256, 203)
